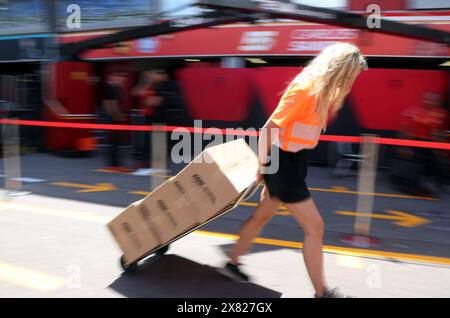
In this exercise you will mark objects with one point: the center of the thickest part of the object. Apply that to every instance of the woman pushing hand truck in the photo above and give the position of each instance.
(294, 127)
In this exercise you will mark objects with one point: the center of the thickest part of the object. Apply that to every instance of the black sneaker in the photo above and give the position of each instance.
(333, 293)
(232, 271)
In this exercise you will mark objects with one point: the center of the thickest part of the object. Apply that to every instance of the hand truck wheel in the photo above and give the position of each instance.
(128, 268)
(163, 250)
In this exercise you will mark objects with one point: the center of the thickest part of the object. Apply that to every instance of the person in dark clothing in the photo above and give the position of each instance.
(148, 103)
(426, 122)
(171, 111)
(111, 105)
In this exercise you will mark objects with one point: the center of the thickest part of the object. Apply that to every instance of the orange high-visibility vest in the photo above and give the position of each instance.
(300, 126)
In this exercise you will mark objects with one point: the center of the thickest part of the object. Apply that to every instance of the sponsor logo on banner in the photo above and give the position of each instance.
(430, 49)
(317, 39)
(258, 41)
(148, 45)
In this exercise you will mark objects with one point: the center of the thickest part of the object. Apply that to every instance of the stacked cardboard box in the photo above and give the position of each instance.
(202, 190)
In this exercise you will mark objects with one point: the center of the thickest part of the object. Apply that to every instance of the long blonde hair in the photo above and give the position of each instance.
(332, 74)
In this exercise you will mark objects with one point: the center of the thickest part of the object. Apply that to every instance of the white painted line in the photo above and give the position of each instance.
(350, 261)
(76, 215)
(30, 180)
(82, 215)
(29, 278)
(147, 172)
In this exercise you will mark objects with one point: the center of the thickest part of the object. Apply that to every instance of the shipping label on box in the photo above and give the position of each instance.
(218, 176)
(207, 188)
(168, 212)
(132, 236)
(199, 192)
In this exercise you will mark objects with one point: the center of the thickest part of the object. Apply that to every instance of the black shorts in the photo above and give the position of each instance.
(288, 183)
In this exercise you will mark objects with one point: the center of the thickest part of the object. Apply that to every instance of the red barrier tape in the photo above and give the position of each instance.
(227, 131)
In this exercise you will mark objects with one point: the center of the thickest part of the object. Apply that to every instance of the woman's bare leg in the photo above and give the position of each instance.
(307, 215)
(254, 224)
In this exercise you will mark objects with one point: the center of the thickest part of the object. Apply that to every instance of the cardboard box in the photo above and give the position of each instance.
(200, 191)
(168, 211)
(161, 216)
(131, 234)
(218, 176)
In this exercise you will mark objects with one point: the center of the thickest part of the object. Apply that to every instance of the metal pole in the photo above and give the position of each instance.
(11, 161)
(158, 155)
(366, 187)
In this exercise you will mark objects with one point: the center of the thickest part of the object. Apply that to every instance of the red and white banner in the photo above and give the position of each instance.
(284, 39)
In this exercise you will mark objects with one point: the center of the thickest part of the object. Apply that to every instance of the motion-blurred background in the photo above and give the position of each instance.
(227, 76)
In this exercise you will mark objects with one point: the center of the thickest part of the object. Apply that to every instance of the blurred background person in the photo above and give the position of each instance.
(148, 104)
(159, 79)
(426, 122)
(171, 104)
(111, 104)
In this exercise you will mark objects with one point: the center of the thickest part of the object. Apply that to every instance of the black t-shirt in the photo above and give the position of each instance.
(111, 92)
(172, 109)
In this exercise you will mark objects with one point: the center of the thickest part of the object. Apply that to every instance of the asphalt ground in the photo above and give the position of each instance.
(54, 242)
(401, 223)
(53, 247)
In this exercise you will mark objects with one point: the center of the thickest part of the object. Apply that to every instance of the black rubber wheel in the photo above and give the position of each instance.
(163, 250)
(128, 268)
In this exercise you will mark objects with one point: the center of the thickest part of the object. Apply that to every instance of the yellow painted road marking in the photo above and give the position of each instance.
(350, 251)
(144, 193)
(333, 189)
(401, 218)
(388, 195)
(87, 187)
(283, 213)
(28, 278)
(344, 190)
(162, 175)
(252, 204)
(339, 188)
(357, 252)
(131, 173)
(111, 171)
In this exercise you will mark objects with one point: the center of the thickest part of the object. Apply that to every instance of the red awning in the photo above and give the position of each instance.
(269, 39)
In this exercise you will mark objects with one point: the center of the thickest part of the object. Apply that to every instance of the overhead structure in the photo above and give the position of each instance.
(72, 51)
(288, 10)
(231, 11)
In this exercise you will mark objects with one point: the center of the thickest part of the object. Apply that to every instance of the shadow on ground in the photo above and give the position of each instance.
(255, 248)
(174, 276)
